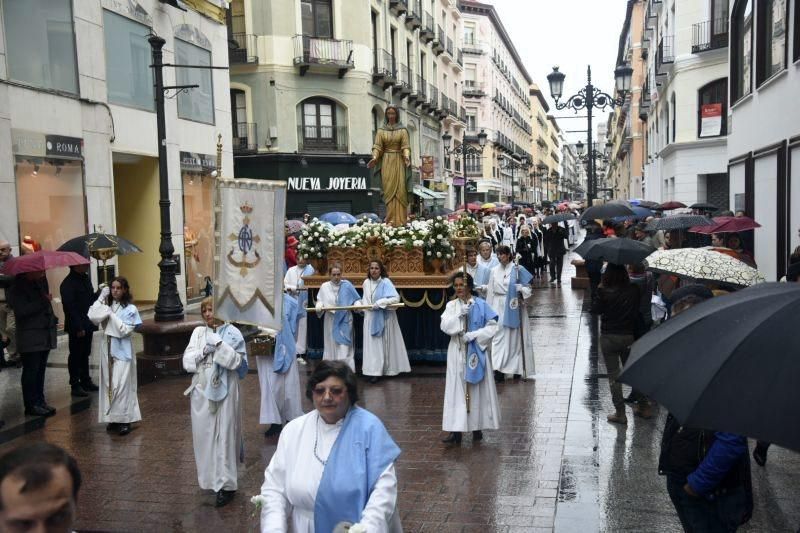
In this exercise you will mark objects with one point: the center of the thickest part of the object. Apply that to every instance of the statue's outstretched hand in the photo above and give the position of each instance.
(407, 161)
(372, 163)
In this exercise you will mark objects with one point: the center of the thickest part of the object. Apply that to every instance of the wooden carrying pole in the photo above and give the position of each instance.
(354, 307)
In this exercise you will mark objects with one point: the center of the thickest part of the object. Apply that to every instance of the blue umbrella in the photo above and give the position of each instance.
(338, 217)
(372, 217)
(639, 213)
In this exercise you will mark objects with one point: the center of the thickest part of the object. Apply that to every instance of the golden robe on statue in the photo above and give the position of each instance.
(391, 149)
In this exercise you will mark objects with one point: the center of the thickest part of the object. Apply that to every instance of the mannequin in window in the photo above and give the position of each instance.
(391, 159)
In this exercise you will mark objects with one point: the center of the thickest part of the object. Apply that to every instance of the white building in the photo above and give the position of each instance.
(78, 128)
(684, 101)
(764, 141)
(496, 100)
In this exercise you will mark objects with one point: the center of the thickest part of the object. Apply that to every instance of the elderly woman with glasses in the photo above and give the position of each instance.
(334, 466)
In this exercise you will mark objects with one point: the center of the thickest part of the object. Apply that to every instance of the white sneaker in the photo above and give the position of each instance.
(301, 361)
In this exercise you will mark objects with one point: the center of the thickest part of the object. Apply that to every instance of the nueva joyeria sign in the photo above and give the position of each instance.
(332, 183)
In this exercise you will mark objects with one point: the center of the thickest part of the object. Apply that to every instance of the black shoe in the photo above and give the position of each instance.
(38, 410)
(49, 408)
(454, 437)
(274, 429)
(477, 435)
(113, 426)
(224, 497)
(78, 392)
(499, 377)
(124, 429)
(89, 386)
(760, 456)
(373, 380)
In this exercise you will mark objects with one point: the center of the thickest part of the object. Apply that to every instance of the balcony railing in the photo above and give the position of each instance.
(322, 139)
(384, 68)
(404, 80)
(438, 41)
(242, 48)
(414, 15)
(709, 35)
(426, 31)
(398, 7)
(449, 47)
(473, 89)
(433, 97)
(666, 52)
(324, 52)
(245, 138)
(460, 59)
(472, 46)
(462, 114)
(421, 90)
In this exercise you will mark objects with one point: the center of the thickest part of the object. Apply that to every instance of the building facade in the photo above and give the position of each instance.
(311, 80)
(496, 101)
(763, 151)
(685, 102)
(78, 123)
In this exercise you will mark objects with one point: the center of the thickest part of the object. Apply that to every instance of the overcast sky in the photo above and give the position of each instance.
(571, 34)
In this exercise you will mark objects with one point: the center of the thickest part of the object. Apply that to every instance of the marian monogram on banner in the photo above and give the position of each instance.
(246, 243)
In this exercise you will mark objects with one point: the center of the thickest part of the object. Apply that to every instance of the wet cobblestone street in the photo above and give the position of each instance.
(555, 463)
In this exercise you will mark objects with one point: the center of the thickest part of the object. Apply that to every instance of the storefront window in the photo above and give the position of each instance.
(52, 210)
(198, 231)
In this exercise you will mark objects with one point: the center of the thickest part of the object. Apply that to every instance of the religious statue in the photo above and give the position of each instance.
(391, 158)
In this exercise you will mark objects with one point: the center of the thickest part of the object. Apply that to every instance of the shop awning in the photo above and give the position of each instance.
(427, 194)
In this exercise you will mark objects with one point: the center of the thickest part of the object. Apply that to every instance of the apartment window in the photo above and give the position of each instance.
(771, 36)
(239, 113)
(40, 41)
(471, 123)
(198, 103)
(317, 18)
(128, 74)
(742, 49)
(719, 17)
(712, 111)
(469, 34)
(319, 122)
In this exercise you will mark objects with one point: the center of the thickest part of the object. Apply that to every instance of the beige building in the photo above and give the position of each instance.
(496, 100)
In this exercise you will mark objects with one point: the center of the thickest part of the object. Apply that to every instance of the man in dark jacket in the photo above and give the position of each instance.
(554, 238)
(708, 472)
(36, 335)
(77, 296)
(594, 268)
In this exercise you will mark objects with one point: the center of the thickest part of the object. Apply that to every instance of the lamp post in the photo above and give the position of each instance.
(588, 98)
(513, 166)
(541, 173)
(461, 153)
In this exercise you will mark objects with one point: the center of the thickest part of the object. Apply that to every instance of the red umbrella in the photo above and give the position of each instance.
(727, 225)
(42, 260)
(472, 206)
(672, 204)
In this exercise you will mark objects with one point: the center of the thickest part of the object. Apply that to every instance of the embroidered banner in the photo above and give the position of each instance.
(249, 233)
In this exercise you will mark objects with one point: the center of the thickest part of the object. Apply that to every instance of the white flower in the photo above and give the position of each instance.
(438, 254)
(429, 252)
(432, 241)
(440, 237)
(357, 528)
(449, 256)
(316, 234)
(322, 239)
(311, 249)
(259, 500)
(319, 255)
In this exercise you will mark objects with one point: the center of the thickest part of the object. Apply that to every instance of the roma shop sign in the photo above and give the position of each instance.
(328, 183)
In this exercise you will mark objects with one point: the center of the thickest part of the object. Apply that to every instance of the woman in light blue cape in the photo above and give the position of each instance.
(337, 324)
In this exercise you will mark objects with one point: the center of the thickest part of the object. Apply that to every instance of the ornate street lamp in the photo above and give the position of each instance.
(588, 98)
(461, 153)
(513, 166)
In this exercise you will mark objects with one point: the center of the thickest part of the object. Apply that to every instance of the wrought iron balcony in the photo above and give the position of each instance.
(449, 47)
(384, 71)
(414, 15)
(710, 35)
(398, 7)
(426, 31)
(325, 54)
(460, 59)
(473, 89)
(242, 48)
(329, 139)
(438, 41)
(472, 46)
(245, 138)
(404, 80)
(433, 98)
(666, 53)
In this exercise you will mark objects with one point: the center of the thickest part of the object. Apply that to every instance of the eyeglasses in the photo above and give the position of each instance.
(335, 392)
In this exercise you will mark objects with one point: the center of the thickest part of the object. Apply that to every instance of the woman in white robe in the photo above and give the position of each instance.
(118, 318)
(218, 359)
(484, 409)
(320, 473)
(293, 284)
(507, 345)
(384, 354)
(333, 293)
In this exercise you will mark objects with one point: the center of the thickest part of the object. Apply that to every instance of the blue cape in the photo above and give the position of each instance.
(511, 317)
(482, 274)
(479, 315)
(122, 349)
(385, 289)
(342, 327)
(285, 347)
(362, 451)
(218, 391)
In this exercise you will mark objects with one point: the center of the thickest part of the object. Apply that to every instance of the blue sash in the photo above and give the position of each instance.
(385, 289)
(285, 347)
(122, 349)
(216, 377)
(481, 275)
(362, 451)
(511, 316)
(479, 315)
(342, 327)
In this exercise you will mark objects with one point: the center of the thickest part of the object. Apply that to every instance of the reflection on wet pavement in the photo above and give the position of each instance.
(555, 463)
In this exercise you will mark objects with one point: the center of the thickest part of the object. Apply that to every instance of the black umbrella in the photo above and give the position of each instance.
(609, 210)
(618, 251)
(648, 204)
(702, 206)
(679, 222)
(99, 244)
(560, 217)
(728, 364)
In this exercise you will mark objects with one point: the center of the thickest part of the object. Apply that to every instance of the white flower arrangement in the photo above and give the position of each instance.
(315, 239)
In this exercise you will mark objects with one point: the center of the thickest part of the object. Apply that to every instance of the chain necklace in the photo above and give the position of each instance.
(316, 440)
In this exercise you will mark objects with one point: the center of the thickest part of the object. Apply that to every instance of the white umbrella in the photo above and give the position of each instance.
(702, 264)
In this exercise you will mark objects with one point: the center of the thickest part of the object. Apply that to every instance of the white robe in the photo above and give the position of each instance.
(506, 344)
(332, 350)
(292, 478)
(473, 271)
(484, 412)
(216, 426)
(385, 355)
(293, 282)
(280, 393)
(123, 407)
